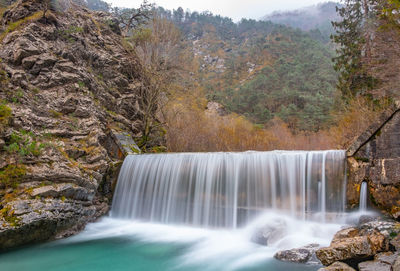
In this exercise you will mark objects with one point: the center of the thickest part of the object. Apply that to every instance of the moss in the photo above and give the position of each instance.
(12, 174)
(362, 159)
(9, 217)
(15, 25)
(55, 114)
(5, 114)
(81, 84)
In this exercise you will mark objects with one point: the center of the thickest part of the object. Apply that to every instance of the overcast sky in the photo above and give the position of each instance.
(235, 9)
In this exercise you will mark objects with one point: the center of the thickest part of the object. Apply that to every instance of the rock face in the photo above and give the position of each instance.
(375, 158)
(71, 100)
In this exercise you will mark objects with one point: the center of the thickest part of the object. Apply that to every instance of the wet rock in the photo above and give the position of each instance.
(36, 220)
(365, 219)
(337, 266)
(297, 255)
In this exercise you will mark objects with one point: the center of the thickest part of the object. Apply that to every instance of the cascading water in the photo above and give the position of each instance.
(267, 196)
(363, 197)
(228, 189)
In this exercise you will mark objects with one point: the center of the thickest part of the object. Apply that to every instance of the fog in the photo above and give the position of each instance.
(254, 9)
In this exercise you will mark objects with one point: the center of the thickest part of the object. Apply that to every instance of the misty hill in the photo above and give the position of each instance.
(309, 18)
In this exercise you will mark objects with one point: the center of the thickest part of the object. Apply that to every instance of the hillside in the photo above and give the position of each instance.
(313, 18)
(261, 70)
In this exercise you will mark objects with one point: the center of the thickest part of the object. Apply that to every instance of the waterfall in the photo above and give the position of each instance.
(363, 196)
(228, 189)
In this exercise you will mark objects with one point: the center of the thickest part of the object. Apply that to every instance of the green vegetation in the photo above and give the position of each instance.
(9, 217)
(298, 87)
(68, 34)
(24, 144)
(11, 175)
(81, 84)
(15, 25)
(269, 70)
(5, 114)
(55, 114)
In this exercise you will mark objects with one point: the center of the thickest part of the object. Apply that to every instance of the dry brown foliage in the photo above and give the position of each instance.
(192, 129)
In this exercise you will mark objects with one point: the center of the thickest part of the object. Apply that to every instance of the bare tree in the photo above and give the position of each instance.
(132, 18)
(157, 45)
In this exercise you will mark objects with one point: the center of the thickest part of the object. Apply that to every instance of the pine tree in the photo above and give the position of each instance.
(354, 39)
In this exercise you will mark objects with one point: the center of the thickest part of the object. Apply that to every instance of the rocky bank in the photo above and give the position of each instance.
(70, 91)
(370, 246)
(374, 158)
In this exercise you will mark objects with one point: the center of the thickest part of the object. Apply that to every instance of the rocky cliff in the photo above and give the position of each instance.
(70, 89)
(375, 158)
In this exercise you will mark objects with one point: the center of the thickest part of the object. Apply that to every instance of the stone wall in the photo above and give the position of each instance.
(375, 158)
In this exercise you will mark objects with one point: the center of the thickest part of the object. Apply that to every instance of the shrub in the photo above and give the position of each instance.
(24, 144)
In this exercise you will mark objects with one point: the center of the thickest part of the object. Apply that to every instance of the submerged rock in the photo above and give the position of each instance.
(270, 234)
(298, 255)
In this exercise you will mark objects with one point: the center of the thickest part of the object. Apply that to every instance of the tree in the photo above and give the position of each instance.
(158, 47)
(354, 37)
(132, 18)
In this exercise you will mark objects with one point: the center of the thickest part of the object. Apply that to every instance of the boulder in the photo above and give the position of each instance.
(374, 266)
(297, 255)
(395, 242)
(337, 266)
(345, 233)
(346, 249)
